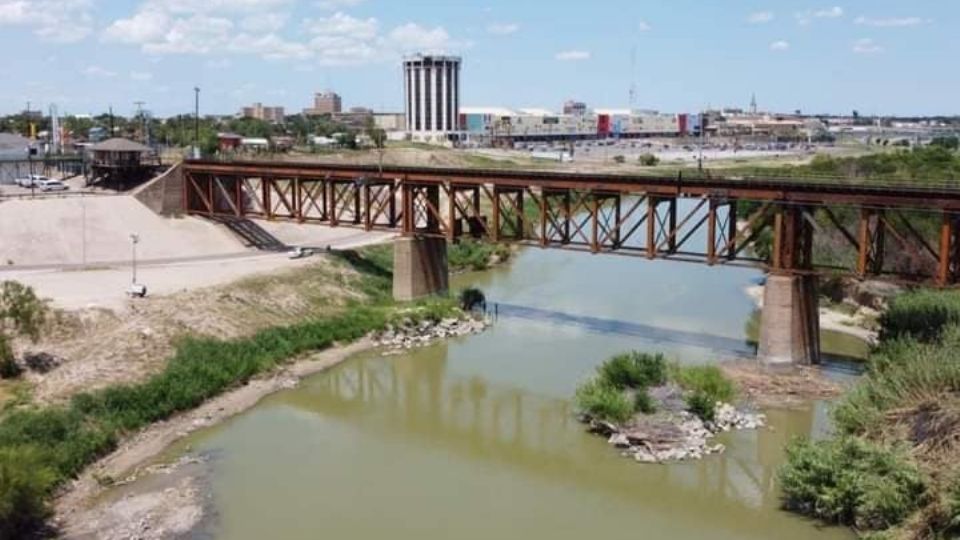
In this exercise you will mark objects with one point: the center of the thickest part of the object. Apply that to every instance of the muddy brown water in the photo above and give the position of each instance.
(476, 438)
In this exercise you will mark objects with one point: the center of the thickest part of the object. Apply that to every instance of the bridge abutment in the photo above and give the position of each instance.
(790, 321)
(419, 267)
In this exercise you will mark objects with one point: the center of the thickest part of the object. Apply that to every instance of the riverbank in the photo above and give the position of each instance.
(843, 318)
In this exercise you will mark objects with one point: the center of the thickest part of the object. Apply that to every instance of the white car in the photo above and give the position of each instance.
(31, 180)
(52, 185)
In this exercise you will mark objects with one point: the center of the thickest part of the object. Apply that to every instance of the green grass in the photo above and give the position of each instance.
(474, 255)
(603, 402)
(634, 370)
(703, 387)
(921, 314)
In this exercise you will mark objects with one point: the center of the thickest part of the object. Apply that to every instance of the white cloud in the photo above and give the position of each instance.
(333, 5)
(99, 72)
(256, 27)
(866, 46)
(503, 29)
(780, 45)
(264, 22)
(644, 26)
(760, 17)
(141, 76)
(63, 21)
(572, 56)
(806, 17)
(220, 63)
(892, 22)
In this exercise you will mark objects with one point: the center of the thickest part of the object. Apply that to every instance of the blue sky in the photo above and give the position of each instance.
(876, 56)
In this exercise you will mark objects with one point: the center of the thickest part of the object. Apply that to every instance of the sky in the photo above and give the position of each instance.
(876, 56)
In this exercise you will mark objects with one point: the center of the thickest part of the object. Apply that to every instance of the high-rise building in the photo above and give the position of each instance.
(268, 114)
(325, 103)
(432, 91)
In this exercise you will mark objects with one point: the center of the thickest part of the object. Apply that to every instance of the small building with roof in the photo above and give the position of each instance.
(121, 162)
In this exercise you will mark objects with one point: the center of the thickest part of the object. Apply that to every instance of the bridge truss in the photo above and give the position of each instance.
(901, 232)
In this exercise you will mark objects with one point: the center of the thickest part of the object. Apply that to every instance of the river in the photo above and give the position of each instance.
(476, 438)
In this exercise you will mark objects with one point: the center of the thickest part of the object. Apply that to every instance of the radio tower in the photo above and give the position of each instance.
(753, 104)
(633, 78)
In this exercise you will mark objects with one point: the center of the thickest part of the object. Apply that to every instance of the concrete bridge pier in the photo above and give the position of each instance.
(790, 321)
(419, 267)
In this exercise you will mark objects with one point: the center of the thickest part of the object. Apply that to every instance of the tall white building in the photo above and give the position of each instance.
(432, 91)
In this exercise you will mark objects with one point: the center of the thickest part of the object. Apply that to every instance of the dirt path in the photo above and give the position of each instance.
(176, 508)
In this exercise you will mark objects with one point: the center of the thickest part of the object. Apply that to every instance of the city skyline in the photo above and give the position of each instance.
(881, 58)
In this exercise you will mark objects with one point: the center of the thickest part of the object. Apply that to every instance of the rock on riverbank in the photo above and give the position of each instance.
(674, 436)
(409, 335)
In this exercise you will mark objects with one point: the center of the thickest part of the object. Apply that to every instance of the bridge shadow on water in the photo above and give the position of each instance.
(655, 334)
(834, 363)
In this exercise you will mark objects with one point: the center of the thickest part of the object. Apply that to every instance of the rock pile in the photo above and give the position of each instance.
(674, 436)
(409, 335)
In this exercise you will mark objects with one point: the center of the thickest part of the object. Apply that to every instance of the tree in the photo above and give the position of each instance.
(21, 313)
(950, 143)
(379, 138)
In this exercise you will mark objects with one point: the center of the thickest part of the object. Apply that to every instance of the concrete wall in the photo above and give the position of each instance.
(419, 268)
(164, 194)
(790, 321)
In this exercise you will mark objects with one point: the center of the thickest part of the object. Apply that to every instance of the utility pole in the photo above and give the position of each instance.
(196, 122)
(134, 240)
(143, 122)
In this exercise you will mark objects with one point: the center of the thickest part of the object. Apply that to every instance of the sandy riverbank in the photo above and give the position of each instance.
(834, 321)
(80, 513)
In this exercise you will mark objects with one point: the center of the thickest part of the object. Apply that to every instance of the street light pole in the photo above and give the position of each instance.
(196, 122)
(134, 239)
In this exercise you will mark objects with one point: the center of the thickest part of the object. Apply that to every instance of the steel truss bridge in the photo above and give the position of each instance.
(617, 214)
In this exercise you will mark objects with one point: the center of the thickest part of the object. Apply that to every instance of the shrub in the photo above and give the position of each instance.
(704, 387)
(474, 255)
(603, 402)
(702, 405)
(649, 160)
(851, 482)
(643, 403)
(634, 370)
(9, 369)
(921, 314)
(471, 298)
(25, 481)
(618, 159)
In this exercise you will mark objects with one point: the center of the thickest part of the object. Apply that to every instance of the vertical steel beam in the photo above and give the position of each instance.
(595, 223)
(496, 214)
(267, 203)
(367, 208)
(946, 250)
(712, 233)
(672, 240)
(732, 230)
(777, 263)
(238, 193)
(451, 211)
(544, 241)
(566, 216)
(652, 202)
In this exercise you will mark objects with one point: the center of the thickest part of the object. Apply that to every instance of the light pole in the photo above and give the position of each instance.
(134, 240)
(196, 122)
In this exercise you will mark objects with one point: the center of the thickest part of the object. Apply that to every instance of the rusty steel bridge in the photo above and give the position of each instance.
(605, 213)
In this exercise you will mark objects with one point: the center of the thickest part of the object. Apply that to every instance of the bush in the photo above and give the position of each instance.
(921, 314)
(604, 402)
(471, 298)
(634, 370)
(618, 159)
(704, 387)
(25, 481)
(851, 482)
(649, 160)
(643, 403)
(9, 369)
(474, 255)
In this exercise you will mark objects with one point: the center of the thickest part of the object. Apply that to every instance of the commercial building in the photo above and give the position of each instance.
(325, 103)
(432, 97)
(576, 108)
(267, 114)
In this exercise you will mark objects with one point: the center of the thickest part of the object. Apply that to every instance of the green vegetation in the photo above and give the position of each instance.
(921, 314)
(634, 370)
(474, 255)
(607, 395)
(703, 387)
(893, 465)
(21, 313)
(604, 402)
(472, 298)
(851, 481)
(649, 160)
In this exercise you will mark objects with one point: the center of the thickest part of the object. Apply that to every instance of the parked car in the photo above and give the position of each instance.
(31, 180)
(51, 185)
